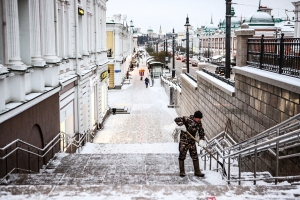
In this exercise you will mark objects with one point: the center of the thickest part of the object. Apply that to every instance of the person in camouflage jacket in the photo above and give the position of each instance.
(192, 124)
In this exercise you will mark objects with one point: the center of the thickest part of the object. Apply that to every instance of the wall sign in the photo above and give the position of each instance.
(117, 70)
(103, 75)
(80, 11)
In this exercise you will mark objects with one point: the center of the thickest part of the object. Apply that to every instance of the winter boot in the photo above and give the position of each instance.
(197, 168)
(181, 168)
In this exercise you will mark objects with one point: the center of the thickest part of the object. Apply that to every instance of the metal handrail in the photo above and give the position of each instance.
(276, 139)
(37, 148)
(58, 138)
(270, 131)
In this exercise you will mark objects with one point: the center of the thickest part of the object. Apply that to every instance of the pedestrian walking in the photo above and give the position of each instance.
(146, 82)
(192, 124)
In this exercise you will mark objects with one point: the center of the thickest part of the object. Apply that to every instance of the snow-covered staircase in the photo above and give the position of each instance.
(129, 175)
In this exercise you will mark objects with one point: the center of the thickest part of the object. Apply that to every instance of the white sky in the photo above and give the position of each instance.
(172, 13)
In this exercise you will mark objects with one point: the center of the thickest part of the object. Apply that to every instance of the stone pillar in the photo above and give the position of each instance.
(69, 52)
(62, 28)
(11, 33)
(84, 30)
(48, 31)
(3, 75)
(243, 35)
(36, 55)
(297, 27)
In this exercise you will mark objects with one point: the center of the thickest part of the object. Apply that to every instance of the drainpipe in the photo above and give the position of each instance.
(56, 27)
(77, 64)
(96, 62)
(96, 30)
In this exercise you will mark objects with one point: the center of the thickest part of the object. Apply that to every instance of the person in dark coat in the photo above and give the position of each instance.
(146, 82)
(192, 124)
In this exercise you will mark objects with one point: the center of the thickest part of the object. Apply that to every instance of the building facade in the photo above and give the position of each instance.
(120, 46)
(52, 77)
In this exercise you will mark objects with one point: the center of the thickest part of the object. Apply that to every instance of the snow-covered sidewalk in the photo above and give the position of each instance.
(150, 120)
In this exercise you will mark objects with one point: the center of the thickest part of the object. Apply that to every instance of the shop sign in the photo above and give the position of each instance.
(103, 75)
(117, 71)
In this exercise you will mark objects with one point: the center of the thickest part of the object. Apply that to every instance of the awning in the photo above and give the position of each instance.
(155, 63)
(216, 57)
(150, 60)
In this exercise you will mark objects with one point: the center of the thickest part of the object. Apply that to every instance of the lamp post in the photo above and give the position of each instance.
(167, 57)
(164, 45)
(187, 24)
(173, 60)
(227, 43)
(208, 48)
(131, 25)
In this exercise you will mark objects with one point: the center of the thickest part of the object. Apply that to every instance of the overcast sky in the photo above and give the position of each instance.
(172, 13)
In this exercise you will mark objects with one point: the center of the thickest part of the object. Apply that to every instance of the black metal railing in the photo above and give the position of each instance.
(62, 142)
(221, 78)
(279, 55)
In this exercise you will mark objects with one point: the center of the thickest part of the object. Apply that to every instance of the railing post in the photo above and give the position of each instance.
(255, 162)
(240, 160)
(28, 159)
(277, 157)
(38, 159)
(17, 158)
(204, 162)
(52, 148)
(6, 165)
(261, 51)
(228, 168)
(209, 162)
(223, 159)
(281, 59)
(217, 161)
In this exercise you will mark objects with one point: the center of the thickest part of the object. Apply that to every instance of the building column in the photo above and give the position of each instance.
(11, 33)
(69, 52)
(48, 31)
(35, 34)
(243, 35)
(84, 30)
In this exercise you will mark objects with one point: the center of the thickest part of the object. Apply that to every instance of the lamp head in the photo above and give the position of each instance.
(131, 23)
(187, 23)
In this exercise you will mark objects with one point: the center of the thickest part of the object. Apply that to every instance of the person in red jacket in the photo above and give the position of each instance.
(192, 124)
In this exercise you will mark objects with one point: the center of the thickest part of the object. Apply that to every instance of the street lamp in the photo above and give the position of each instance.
(173, 61)
(131, 25)
(187, 24)
(208, 48)
(167, 57)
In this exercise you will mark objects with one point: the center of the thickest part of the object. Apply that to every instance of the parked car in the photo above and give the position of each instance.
(220, 71)
(195, 62)
(183, 59)
(178, 58)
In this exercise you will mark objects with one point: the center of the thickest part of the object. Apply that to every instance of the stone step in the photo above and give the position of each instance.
(145, 192)
(121, 110)
(103, 179)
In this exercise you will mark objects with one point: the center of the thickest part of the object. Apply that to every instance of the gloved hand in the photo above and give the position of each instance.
(182, 128)
(202, 143)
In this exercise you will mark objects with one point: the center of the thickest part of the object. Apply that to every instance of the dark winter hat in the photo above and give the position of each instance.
(198, 114)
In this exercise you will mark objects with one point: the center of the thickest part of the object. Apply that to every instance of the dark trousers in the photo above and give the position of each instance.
(187, 144)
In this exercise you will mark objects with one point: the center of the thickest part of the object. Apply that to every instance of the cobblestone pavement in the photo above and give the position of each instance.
(149, 121)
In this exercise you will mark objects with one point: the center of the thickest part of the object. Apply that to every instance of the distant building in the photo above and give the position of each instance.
(120, 46)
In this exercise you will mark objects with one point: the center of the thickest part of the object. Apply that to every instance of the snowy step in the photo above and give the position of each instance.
(121, 110)
(174, 192)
